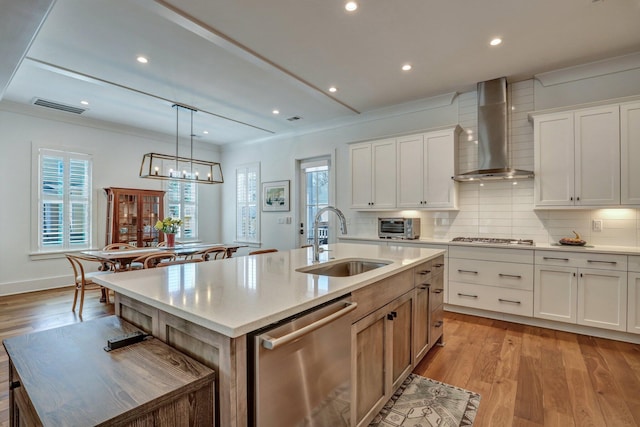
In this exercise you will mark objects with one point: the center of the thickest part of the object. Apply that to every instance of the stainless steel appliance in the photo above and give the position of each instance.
(399, 228)
(493, 240)
(300, 369)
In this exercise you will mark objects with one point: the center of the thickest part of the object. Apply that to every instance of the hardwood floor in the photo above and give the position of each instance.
(526, 376)
(529, 376)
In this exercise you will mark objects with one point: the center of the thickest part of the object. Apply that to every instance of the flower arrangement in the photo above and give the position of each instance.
(168, 225)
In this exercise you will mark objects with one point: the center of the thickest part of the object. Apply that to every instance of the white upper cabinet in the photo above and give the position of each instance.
(630, 149)
(373, 175)
(426, 163)
(577, 157)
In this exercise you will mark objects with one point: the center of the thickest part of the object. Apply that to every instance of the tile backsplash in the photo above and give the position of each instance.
(506, 209)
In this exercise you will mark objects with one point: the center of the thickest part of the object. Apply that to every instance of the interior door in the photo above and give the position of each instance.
(315, 194)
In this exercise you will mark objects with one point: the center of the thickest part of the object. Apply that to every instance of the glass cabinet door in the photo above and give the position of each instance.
(150, 212)
(131, 215)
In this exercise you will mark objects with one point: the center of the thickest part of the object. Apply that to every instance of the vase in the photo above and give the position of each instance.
(171, 240)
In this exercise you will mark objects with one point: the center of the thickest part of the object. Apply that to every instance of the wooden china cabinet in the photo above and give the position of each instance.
(131, 215)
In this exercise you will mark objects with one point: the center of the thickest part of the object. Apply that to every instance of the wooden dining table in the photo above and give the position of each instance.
(123, 257)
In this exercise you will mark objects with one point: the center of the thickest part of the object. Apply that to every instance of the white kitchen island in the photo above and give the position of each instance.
(206, 309)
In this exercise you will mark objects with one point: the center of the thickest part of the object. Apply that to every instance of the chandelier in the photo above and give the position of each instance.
(168, 167)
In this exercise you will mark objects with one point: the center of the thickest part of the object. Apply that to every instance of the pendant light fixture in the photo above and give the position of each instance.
(167, 167)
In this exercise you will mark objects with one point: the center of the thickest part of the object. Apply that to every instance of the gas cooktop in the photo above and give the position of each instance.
(494, 240)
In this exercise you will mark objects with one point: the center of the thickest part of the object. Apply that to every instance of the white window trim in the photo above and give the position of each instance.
(36, 252)
(256, 241)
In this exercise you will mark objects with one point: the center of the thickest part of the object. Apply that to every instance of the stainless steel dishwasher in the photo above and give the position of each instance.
(300, 369)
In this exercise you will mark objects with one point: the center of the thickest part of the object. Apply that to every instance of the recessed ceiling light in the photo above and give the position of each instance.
(350, 6)
(142, 59)
(496, 41)
(333, 89)
(276, 111)
(206, 132)
(406, 67)
(84, 102)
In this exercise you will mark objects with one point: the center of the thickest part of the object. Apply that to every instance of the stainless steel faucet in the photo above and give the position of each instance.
(316, 221)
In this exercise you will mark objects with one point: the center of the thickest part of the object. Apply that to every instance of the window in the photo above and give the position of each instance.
(64, 200)
(182, 202)
(247, 212)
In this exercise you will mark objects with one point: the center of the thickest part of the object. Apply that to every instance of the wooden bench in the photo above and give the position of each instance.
(64, 377)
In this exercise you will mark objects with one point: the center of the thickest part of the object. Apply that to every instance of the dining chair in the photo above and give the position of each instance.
(178, 262)
(164, 244)
(152, 260)
(263, 251)
(123, 247)
(216, 252)
(83, 277)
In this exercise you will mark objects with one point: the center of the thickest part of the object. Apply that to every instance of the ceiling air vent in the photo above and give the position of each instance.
(58, 106)
(294, 118)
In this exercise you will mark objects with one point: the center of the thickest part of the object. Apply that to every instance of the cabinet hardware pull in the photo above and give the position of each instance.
(556, 259)
(423, 287)
(394, 314)
(515, 276)
(438, 324)
(508, 300)
(271, 343)
(467, 295)
(571, 199)
(14, 385)
(467, 271)
(602, 262)
(389, 316)
(422, 273)
(439, 265)
(578, 198)
(437, 291)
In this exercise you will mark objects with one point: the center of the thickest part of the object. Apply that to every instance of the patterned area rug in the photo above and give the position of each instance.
(421, 402)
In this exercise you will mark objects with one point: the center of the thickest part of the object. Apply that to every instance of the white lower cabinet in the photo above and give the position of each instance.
(565, 291)
(492, 279)
(633, 295)
(555, 293)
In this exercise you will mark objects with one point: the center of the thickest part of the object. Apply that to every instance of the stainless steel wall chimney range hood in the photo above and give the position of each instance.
(493, 152)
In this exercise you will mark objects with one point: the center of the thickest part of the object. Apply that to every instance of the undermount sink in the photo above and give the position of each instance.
(344, 268)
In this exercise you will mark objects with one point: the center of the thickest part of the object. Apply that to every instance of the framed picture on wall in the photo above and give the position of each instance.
(275, 196)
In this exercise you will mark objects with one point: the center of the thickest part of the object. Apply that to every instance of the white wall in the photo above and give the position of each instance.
(117, 153)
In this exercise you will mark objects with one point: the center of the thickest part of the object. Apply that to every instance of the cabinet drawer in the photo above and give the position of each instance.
(423, 272)
(512, 301)
(634, 263)
(437, 324)
(504, 274)
(524, 256)
(582, 260)
(436, 296)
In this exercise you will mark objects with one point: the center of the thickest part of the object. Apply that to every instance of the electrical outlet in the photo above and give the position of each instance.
(596, 225)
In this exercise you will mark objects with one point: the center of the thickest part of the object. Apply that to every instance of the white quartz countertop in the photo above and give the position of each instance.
(621, 250)
(238, 295)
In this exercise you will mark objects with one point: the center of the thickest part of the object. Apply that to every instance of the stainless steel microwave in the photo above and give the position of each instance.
(399, 228)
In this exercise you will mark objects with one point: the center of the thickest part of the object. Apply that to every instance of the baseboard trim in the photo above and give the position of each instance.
(13, 288)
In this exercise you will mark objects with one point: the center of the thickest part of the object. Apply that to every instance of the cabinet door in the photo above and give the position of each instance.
(384, 174)
(401, 312)
(369, 360)
(597, 156)
(421, 323)
(630, 153)
(554, 159)
(555, 293)
(602, 299)
(633, 303)
(410, 171)
(361, 172)
(439, 151)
